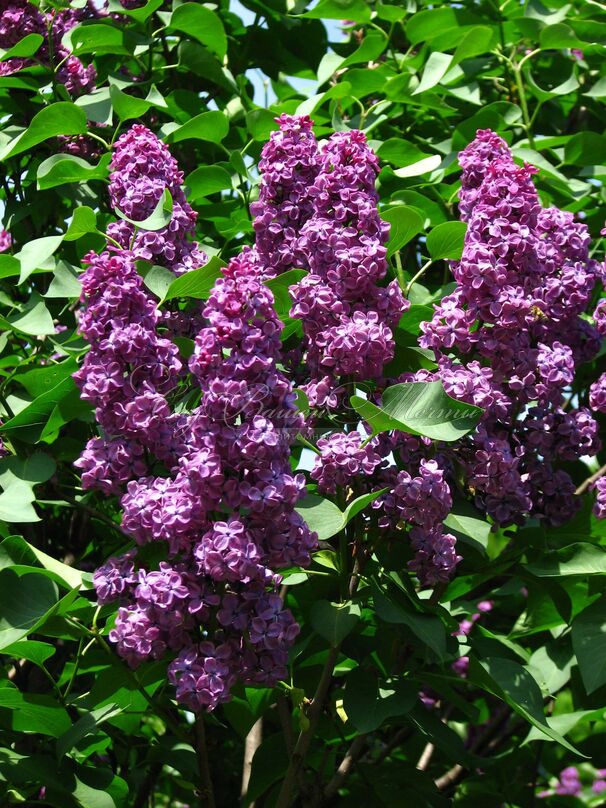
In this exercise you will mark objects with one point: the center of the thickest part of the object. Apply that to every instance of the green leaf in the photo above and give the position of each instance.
(158, 280)
(465, 520)
(431, 23)
(35, 319)
(412, 318)
(65, 282)
(356, 10)
(405, 223)
(139, 14)
(580, 558)
(559, 36)
(447, 241)
(95, 38)
(435, 69)
(27, 46)
(426, 627)
(321, 515)
(35, 413)
(424, 166)
(16, 503)
(212, 126)
(438, 733)
(197, 59)
(260, 122)
(68, 409)
(589, 643)
(419, 408)
(41, 380)
(158, 219)
(334, 621)
(31, 712)
(197, 283)
(477, 40)
(87, 724)
(325, 518)
(279, 287)
(35, 254)
(60, 169)
(24, 602)
(269, 765)
(584, 148)
(368, 703)
(513, 684)
(201, 24)
(19, 555)
(84, 221)
(32, 650)
(358, 504)
(550, 665)
(598, 90)
(127, 106)
(62, 118)
(207, 180)
(400, 152)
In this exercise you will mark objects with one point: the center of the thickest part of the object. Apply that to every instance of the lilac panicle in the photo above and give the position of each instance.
(142, 168)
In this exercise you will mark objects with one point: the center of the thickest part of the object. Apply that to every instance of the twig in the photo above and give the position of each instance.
(147, 785)
(426, 756)
(306, 735)
(590, 480)
(284, 716)
(399, 738)
(251, 743)
(450, 778)
(205, 792)
(339, 777)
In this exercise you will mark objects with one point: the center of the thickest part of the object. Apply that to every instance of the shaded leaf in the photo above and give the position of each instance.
(419, 408)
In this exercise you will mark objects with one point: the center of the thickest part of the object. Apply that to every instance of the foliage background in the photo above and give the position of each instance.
(77, 727)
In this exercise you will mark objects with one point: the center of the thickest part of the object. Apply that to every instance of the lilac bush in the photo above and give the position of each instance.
(224, 507)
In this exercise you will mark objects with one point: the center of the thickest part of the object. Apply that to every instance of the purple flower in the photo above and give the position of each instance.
(6, 241)
(142, 168)
(342, 459)
(435, 555)
(599, 508)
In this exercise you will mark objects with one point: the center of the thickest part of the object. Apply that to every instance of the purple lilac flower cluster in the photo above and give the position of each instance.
(213, 484)
(569, 783)
(510, 336)
(19, 18)
(142, 169)
(317, 211)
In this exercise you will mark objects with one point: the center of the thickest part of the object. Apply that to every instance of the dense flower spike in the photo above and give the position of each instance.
(317, 210)
(513, 321)
(289, 165)
(142, 169)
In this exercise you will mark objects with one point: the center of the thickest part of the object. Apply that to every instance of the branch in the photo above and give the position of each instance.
(339, 777)
(251, 744)
(450, 778)
(399, 738)
(205, 792)
(426, 756)
(590, 481)
(305, 736)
